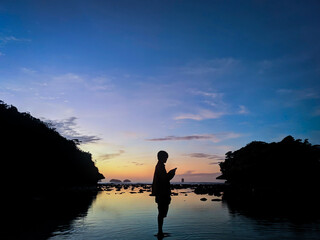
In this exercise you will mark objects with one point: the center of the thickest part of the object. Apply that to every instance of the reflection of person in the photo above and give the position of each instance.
(161, 188)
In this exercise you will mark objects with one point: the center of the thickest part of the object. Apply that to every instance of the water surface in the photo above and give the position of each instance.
(124, 215)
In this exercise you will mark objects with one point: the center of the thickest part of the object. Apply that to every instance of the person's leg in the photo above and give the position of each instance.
(160, 224)
(163, 210)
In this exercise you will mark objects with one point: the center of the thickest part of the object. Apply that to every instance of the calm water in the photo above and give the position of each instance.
(122, 215)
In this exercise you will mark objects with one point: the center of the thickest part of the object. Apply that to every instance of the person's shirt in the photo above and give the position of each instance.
(161, 181)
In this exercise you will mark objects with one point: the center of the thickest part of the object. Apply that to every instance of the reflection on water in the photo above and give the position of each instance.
(125, 215)
(41, 217)
(122, 214)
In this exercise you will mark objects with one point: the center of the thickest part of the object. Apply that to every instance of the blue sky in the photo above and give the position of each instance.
(196, 78)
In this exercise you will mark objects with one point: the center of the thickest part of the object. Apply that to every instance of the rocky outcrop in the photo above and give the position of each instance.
(115, 181)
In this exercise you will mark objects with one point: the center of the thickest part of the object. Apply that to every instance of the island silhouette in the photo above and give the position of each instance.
(38, 157)
(284, 168)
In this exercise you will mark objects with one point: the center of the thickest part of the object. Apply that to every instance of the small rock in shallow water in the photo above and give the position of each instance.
(203, 199)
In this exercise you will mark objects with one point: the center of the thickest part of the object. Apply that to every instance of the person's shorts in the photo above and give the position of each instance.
(163, 206)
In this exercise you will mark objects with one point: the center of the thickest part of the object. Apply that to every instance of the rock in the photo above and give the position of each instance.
(115, 180)
(216, 200)
(133, 192)
(203, 199)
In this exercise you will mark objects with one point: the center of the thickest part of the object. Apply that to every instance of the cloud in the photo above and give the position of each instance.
(243, 110)
(28, 70)
(138, 164)
(67, 128)
(213, 137)
(108, 156)
(183, 138)
(213, 99)
(213, 95)
(207, 156)
(301, 94)
(6, 39)
(68, 77)
(216, 66)
(202, 115)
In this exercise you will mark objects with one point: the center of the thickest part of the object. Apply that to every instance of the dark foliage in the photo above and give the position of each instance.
(285, 164)
(34, 155)
(38, 219)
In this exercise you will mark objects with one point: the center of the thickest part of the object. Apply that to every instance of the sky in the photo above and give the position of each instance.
(194, 78)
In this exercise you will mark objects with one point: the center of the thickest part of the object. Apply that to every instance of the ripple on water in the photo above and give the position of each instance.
(134, 216)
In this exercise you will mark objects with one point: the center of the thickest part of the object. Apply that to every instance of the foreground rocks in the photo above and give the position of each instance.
(201, 189)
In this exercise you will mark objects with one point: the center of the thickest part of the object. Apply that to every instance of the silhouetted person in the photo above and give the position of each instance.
(161, 188)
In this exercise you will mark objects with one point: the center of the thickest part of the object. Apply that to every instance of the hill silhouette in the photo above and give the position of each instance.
(35, 156)
(288, 165)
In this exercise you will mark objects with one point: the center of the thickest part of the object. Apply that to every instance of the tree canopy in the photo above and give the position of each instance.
(33, 154)
(290, 162)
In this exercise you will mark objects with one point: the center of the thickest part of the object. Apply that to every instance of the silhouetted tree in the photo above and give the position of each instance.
(286, 164)
(34, 155)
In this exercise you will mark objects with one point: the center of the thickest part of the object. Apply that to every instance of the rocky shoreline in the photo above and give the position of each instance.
(214, 189)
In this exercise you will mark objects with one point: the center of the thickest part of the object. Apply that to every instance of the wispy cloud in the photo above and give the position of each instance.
(6, 39)
(69, 77)
(299, 94)
(183, 138)
(201, 115)
(28, 70)
(213, 137)
(209, 105)
(108, 156)
(137, 163)
(214, 66)
(207, 156)
(213, 95)
(68, 129)
(243, 110)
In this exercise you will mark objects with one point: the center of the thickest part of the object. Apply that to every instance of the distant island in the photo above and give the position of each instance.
(115, 181)
(37, 157)
(286, 168)
(127, 180)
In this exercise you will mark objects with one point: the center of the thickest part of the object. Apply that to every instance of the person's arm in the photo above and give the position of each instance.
(171, 173)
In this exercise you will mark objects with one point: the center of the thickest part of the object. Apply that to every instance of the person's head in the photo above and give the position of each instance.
(163, 156)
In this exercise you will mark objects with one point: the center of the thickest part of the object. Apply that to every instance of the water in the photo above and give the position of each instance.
(122, 215)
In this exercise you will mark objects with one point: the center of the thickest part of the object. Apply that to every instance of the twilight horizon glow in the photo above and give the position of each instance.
(197, 79)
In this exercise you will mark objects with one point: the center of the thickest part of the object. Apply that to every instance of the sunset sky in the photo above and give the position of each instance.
(194, 78)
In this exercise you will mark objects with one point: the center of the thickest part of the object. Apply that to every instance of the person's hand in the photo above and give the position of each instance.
(173, 171)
